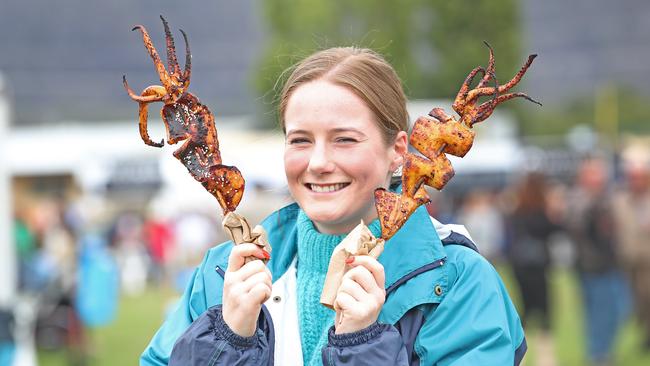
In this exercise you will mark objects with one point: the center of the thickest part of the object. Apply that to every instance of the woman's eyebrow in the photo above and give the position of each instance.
(291, 132)
(334, 130)
(346, 129)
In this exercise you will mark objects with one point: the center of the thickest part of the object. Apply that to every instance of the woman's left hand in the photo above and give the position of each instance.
(360, 296)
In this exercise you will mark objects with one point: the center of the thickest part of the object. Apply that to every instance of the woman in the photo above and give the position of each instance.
(344, 115)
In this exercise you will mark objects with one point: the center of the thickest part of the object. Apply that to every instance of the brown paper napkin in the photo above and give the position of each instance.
(240, 231)
(359, 241)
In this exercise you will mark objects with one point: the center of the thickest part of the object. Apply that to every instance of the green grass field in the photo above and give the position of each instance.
(138, 318)
(567, 326)
(123, 341)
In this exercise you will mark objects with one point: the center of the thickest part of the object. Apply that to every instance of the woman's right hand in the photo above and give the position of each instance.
(246, 287)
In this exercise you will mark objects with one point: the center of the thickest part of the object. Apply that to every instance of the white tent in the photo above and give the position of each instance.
(90, 153)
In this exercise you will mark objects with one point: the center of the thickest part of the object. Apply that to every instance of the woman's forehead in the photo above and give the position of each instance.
(323, 105)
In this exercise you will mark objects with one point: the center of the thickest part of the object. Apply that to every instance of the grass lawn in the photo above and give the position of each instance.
(138, 318)
(122, 342)
(567, 326)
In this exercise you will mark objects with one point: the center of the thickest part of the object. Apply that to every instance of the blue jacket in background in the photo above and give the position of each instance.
(445, 305)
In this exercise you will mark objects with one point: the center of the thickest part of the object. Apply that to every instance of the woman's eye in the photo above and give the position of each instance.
(298, 141)
(346, 140)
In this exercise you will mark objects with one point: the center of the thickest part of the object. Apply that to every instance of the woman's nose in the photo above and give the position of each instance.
(320, 160)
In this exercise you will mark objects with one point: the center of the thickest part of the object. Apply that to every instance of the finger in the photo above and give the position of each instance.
(339, 317)
(372, 265)
(249, 269)
(344, 302)
(260, 277)
(239, 253)
(260, 293)
(364, 278)
(353, 289)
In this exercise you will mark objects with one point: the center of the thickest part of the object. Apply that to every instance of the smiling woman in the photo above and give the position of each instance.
(422, 302)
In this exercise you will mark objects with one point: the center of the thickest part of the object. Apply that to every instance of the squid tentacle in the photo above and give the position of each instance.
(172, 61)
(160, 68)
(490, 69)
(140, 98)
(188, 62)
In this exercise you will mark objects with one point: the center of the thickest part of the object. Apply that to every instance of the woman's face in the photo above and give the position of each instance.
(335, 156)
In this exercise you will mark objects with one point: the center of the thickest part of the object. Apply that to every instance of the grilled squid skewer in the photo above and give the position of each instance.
(186, 119)
(439, 134)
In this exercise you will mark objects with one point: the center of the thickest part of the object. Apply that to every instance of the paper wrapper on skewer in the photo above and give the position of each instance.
(240, 232)
(359, 241)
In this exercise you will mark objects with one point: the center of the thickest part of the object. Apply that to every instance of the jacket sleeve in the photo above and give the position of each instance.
(379, 344)
(476, 322)
(209, 341)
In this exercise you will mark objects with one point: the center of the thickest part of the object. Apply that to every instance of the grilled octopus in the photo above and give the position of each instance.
(439, 134)
(186, 119)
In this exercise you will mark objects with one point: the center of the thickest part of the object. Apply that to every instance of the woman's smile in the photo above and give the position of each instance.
(326, 188)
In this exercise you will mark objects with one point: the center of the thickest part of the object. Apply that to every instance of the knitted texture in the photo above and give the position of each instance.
(314, 253)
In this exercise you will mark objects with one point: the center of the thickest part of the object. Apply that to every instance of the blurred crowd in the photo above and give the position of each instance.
(596, 223)
(74, 264)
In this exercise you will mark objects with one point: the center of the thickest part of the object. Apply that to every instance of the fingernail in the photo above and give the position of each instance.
(265, 254)
(349, 260)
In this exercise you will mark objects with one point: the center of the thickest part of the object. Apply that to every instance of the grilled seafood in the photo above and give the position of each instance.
(186, 119)
(439, 134)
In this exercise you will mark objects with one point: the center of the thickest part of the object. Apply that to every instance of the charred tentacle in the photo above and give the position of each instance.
(158, 92)
(490, 69)
(505, 87)
(485, 110)
(139, 98)
(172, 62)
(188, 63)
(504, 97)
(461, 96)
(160, 68)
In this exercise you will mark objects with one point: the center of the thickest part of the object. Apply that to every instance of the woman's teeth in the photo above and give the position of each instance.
(327, 188)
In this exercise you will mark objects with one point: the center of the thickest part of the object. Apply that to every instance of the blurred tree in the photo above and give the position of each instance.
(432, 44)
(611, 110)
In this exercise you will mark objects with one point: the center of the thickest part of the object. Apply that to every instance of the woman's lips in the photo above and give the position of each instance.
(326, 188)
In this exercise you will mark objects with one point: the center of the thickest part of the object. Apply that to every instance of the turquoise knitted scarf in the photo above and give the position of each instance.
(314, 252)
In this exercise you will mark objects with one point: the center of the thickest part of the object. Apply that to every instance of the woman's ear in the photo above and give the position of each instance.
(400, 148)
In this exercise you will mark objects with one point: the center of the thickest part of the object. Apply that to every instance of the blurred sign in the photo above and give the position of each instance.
(134, 175)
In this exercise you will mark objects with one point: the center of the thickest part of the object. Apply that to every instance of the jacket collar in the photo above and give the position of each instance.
(413, 260)
(415, 245)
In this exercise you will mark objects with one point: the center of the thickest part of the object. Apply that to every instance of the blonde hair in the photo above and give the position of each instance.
(362, 71)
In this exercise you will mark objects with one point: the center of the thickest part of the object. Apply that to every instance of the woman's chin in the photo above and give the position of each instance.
(328, 222)
(325, 217)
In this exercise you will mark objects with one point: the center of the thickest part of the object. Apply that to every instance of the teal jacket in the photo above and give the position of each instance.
(445, 305)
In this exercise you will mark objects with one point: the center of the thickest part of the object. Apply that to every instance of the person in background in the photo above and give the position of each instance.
(25, 251)
(131, 252)
(632, 213)
(159, 238)
(482, 217)
(591, 226)
(529, 228)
